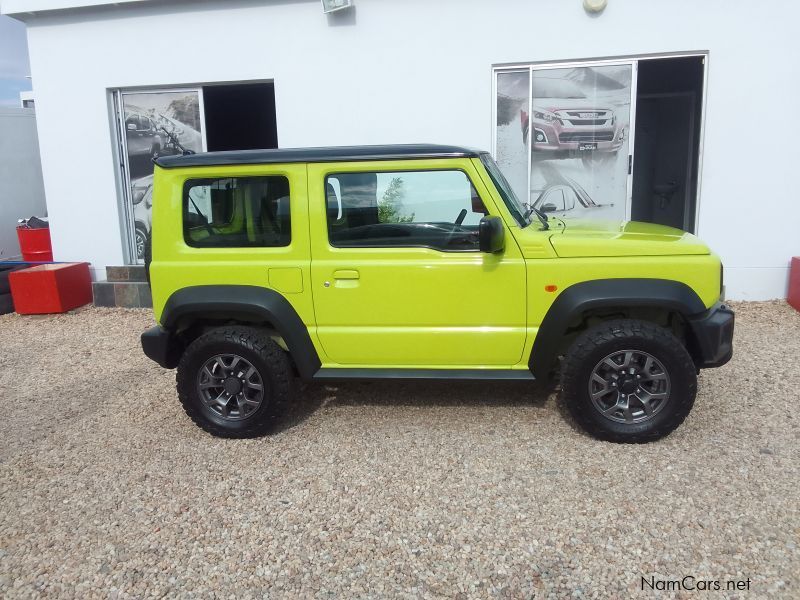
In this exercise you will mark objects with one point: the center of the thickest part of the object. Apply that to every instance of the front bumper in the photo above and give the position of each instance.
(162, 346)
(562, 138)
(713, 336)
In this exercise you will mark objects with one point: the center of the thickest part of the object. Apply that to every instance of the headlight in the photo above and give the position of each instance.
(545, 116)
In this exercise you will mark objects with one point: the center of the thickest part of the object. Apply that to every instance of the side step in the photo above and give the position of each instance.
(476, 374)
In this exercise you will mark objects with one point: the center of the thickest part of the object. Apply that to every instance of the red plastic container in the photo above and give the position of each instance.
(794, 283)
(35, 244)
(54, 288)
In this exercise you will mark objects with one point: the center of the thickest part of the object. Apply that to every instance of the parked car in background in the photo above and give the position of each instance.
(142, 135)
(566, 122)
(142, 198)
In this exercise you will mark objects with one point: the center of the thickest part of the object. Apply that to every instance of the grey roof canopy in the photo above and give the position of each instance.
(303, 155)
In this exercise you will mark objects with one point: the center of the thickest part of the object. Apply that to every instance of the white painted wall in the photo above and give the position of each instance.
(21, 189)
(416, 71)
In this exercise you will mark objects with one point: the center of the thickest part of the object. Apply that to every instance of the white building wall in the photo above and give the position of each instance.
(417, 71)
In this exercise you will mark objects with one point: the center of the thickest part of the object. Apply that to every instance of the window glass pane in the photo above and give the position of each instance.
(580, 125)
(436, 209)
(237, 212)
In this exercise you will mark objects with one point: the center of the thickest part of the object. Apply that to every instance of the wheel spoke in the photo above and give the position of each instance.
(648, 366)
(624, 405)
(654, 377)
(242, 403)
(210, 374)
(609, 362)
(234, 361)
(648, 408)
(626, 362)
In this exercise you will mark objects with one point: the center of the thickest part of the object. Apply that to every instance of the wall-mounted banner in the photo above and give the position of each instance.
(562, 138)
(155, 123)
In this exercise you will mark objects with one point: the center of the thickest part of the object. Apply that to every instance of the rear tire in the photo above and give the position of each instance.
(628, 381)
(234, 382)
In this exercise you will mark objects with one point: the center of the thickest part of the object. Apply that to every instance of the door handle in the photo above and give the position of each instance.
(345, 274)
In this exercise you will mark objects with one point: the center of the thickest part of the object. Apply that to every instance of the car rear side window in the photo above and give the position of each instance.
(433, 209)
(237, 212)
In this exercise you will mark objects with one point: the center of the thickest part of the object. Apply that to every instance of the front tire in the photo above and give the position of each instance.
(234, 382)
(628, 381)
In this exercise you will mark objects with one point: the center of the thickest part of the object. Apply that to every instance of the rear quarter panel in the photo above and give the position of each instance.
(176, 265)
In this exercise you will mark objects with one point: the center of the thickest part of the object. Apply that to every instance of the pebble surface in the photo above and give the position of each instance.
(407, 490)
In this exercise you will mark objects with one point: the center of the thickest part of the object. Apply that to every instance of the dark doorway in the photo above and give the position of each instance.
(668, 116)
(240, 116)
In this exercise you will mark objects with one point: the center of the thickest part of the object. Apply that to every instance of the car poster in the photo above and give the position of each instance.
(562, 138)
(155, 123)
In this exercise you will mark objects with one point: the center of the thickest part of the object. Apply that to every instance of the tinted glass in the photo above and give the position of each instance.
(434, 209)
(237, 212)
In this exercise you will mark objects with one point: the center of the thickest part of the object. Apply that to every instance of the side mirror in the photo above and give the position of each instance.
(491, 235)
(549, 208)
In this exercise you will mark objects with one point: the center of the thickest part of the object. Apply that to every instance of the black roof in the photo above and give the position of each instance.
(302, 155)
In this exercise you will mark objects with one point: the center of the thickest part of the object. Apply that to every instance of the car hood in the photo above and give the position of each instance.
(553, 104)
(586, 238)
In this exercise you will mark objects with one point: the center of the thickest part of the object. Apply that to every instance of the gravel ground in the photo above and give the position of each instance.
(384, 489)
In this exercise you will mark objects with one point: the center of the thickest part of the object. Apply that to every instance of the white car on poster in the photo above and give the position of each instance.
(142, 199)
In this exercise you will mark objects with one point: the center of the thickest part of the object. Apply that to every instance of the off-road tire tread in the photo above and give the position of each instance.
(281, 379)
(572, 387)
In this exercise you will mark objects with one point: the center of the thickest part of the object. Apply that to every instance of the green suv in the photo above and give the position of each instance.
(417, 261)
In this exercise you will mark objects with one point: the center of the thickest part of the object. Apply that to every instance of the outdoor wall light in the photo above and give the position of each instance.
(329, 6)
(592, 6)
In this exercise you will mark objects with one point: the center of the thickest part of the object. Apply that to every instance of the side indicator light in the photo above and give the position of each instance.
(550, 288)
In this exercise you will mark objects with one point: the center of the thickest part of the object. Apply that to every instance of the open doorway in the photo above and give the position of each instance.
(240, 116)
(153, 122)
(666, 147)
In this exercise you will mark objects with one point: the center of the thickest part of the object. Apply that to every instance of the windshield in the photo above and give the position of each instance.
(546, 87)
(515, 207)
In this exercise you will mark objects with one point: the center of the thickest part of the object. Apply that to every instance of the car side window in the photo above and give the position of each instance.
(434, 209)
(555, 198)
(569, 196)
(236, 212)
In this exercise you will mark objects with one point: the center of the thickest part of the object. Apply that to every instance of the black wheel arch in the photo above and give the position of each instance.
(626, 293)
(197, 305)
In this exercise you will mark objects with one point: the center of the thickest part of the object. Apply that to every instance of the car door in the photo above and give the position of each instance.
(397, 276)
